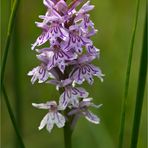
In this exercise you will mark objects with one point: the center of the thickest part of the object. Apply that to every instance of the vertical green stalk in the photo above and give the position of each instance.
(140, 90)
(16, 63)
(67, 135)
(21, 144)
(11, 3)
(67, 128)
(8, 37)
(124, 105)
(16, 72)
(4, 59)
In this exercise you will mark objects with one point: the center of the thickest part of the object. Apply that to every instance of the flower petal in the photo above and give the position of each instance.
(61, 6)
(77, 76)
(41, 106)
(40, 40)
(89, 78)
(86, 7)
(46, 105)
(59, 120)
(49, 126)
(48, 3)
(81, 92)
(91, 117)
(44, 121)
(50, 123)
(63, 101)
(76, 93)
(96, 71)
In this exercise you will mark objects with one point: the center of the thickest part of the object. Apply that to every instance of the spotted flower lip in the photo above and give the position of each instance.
(52, 117)
(83, 70)
(71, 96)
(55, 56)
(82, 109)
(86, 72)
(66, 61)
(40, 73)
(51, 33)
(92, 50)
(76, 39)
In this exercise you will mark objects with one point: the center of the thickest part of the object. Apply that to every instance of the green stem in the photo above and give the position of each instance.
(16, 71)
(12, 118)
(67, 135)
(67, 128)
(8, 38)
(124, 105)
(140, 91)
(4, 59)
(16, 68)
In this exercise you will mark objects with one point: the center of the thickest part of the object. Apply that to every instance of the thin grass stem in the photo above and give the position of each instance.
(8, 37)
(14, 7)
(12, 117)
(128, 71)
(140, 91)
(16, 71)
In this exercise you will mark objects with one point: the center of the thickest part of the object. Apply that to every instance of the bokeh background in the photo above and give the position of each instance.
(114, 19)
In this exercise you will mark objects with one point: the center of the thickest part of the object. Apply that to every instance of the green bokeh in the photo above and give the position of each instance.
(114, 19)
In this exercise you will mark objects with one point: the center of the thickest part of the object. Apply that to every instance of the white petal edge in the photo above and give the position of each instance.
(41, 105)
(44, 121)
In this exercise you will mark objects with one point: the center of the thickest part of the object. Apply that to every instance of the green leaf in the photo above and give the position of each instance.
(124, 105)
(8, 38)
(12, 117)
(4, 59)
(140, 91)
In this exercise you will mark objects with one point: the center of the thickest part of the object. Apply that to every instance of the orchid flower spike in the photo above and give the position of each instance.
(66, 61)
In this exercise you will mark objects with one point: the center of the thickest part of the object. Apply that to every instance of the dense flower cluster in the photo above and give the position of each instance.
(66, 62)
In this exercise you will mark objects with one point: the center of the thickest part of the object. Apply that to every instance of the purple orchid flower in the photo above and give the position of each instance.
(83, 110)
(76, 39)
(71, 95)
(40, 73)
(52, 117)
(67, 61)
(55, 56)
(83, 70)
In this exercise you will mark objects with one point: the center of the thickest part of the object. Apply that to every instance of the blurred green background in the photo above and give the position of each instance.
(114, 19)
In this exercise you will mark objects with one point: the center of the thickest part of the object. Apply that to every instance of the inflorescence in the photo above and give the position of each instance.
(67, 61)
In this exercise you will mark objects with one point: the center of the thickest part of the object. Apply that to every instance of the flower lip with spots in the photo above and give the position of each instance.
(52, 117)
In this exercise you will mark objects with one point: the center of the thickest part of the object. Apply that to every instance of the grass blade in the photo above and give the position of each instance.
(16, 74)
(122, 122)
(17, 69)
(4, 59)
(8, 38)
(12, 118)
(140, 91)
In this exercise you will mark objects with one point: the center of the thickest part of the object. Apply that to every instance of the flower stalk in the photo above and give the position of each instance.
(68, 135)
